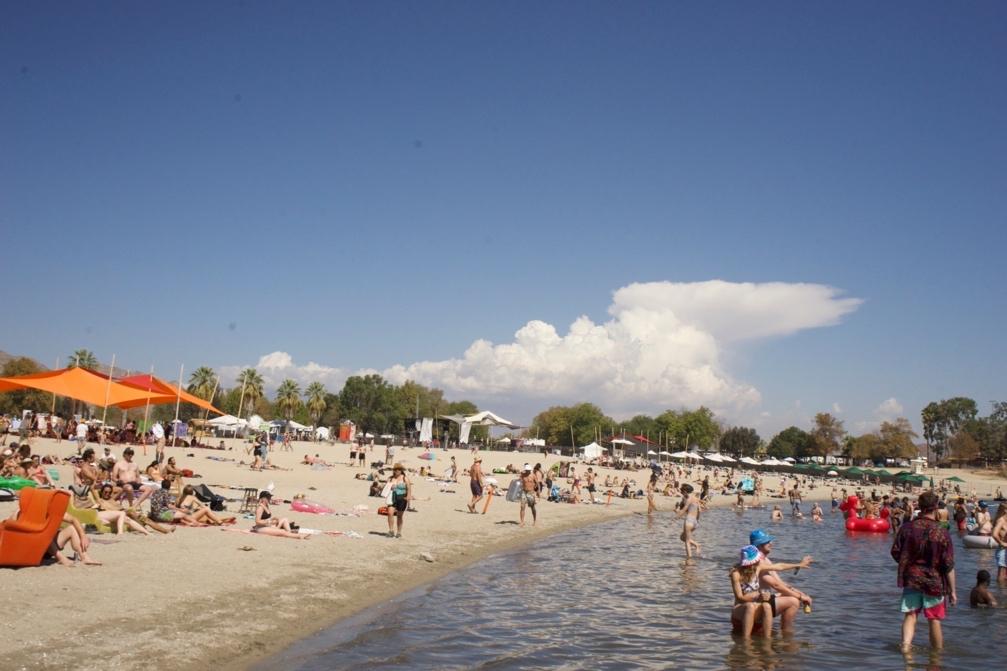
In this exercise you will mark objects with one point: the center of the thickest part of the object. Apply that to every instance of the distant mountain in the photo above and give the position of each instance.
(5, 357)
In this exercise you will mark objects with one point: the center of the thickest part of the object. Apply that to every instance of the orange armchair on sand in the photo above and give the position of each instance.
(23, 541)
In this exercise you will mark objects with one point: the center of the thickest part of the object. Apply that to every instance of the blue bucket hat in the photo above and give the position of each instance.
(749, 555)
(760, 537)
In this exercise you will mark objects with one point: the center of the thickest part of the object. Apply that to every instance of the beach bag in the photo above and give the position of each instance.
(386, 492)
(383, 510)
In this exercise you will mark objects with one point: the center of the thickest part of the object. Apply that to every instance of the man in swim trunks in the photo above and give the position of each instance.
(926, 558)
(126, 474)
(589, 478)
(528, 494)
(1000, 537)
(476, 482)
(787, 599)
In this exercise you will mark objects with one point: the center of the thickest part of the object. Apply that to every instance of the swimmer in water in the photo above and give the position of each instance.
(777, 514)
(816, 512)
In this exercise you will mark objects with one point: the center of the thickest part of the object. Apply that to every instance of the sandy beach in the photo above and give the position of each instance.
(225, 598)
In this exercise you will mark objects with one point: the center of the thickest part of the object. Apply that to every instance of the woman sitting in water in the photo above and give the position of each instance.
(753, 607)
(816, 512)
(267, 525)
(777, 514)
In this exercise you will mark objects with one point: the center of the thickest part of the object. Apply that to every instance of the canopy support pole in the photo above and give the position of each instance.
(178, 402)
(108, 388)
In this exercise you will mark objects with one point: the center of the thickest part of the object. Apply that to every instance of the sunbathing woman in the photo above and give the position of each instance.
(107, 501)
(267, 525)
(753, 607)
(72, 533)
(39, 474)
(189, 502)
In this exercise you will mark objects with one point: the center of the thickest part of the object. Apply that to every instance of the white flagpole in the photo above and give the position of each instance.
(108, 388)
(178, 402)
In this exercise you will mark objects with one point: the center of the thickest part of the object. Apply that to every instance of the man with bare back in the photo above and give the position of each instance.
(476, 482)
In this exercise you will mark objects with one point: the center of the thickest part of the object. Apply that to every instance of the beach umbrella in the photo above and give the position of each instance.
(883, 472)
(714, 457)
(832, 473)
(679, 455)
(749, 461)
(665, 454)
(726, 459)
(955, 478)
(789, 459)
(853, 470)
(651, 453)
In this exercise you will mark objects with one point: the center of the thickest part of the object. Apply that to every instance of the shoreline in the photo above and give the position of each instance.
(232, 599)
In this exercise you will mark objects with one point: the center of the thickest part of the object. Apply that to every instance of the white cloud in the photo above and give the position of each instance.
(278, 366)
(889, 409)
(661, 348)
(837, 409)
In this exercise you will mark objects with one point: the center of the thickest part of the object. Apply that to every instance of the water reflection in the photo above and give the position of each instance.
(622, 595)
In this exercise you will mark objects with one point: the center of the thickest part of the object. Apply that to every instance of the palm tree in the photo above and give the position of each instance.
(251, 382)
(202, 382)
(84, 358)
(315, 396)
(288, 397)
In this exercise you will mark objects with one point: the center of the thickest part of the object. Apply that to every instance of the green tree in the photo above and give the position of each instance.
(867, 446)
(559, 423)
(315, 396)
(372, 404)
(943, 419)
(688, 428)
(13, 402)
(791, 442)
(740, 441)
(826, 436)
(897, 439)
(202, 382)
(252, 390)
(288, 398)
(84, 358)
(333, 411)
(642, 425)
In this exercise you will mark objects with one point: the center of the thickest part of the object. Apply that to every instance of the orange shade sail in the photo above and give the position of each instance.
(81, 384)
(94, 388)
(164, 391)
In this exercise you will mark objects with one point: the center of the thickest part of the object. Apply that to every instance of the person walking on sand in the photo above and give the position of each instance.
(401, 493)
(926, 571)
(589, 478)
(528, 495)
(158, 432)
(476, 482)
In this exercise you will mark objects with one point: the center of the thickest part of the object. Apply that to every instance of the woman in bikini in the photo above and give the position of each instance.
(191, 504)
(690, 509)
(267, 525)
(107, 501)
(754, 608)
(111, 512)
(651, 491)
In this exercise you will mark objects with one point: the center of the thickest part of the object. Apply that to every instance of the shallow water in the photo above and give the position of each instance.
(621, 595)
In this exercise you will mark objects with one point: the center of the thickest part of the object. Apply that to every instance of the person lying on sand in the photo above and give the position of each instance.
(267, 525)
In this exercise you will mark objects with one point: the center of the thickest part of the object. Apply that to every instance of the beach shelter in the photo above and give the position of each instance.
(955, 478)
(749, 461)
(592, 450)
(679, 455)
(713, 456)
(81, 384)
(165, 392)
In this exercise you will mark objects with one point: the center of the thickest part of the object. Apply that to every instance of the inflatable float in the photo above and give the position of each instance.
(854, 523)
(979, 542)
(305, 506)
(15, 483)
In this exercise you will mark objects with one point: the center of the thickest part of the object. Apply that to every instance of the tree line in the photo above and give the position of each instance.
(952, 428)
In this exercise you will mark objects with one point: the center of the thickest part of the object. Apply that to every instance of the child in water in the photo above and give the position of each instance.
(777, 514)
(980, 595)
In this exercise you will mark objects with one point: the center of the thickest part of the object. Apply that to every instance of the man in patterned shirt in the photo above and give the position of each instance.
(926, 560)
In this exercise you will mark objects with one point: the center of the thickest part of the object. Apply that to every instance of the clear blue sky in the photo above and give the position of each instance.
(366, 184)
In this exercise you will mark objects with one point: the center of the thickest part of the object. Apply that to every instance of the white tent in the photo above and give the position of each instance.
(651, 453)
(789, 459)
(296, 426)
(227, 422)
(255, 422)
(772, 462)
(694, 455)
(679, 455)
(664, 454)
(592, 450)
(714, 457)
(323, 432)
(726, 459)
(750, 461)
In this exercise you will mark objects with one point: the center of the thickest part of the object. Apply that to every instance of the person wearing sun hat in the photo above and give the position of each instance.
(788, 598)
(401, 491)
(754, 607)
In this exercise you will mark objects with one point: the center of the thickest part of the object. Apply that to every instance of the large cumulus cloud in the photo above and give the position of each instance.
(662, 347)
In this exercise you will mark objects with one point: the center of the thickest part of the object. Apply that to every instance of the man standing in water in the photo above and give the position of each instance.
(1000, 537)
(528, 494)
(476, 482)
(926, 560)
(787, 599)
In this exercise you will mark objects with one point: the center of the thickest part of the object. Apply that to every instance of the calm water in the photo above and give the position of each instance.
(621, 595)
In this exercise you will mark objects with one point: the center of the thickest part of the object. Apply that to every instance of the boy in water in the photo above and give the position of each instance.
(980, 595)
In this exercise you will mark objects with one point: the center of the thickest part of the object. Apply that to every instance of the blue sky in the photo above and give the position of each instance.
(370, 185)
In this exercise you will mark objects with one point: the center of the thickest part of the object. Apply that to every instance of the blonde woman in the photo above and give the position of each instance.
(754, 608)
